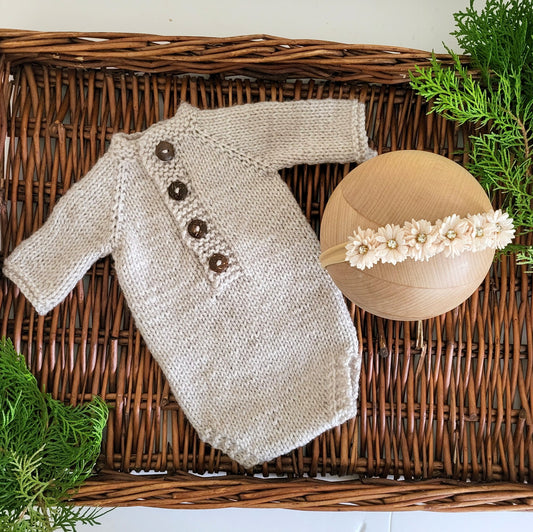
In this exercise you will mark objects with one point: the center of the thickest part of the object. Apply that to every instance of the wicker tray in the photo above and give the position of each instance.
(446, 425)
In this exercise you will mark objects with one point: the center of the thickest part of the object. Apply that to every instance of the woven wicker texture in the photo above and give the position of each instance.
(455, 404)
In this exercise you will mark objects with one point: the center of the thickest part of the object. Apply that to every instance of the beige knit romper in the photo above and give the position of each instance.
(218, 266)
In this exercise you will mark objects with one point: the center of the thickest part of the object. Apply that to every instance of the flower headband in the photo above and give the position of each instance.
(420, 240)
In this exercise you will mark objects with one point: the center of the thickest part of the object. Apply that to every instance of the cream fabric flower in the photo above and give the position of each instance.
(391, 246)
(454, 232)
(361, 249)
(481, 231)
(422, 239)
(502, 226)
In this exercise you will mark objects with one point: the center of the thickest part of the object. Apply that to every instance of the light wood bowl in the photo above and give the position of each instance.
(391, 189)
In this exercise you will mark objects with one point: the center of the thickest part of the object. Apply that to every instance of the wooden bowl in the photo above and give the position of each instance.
(391, 189)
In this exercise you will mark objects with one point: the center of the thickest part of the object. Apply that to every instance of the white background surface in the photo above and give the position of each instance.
(421, 24)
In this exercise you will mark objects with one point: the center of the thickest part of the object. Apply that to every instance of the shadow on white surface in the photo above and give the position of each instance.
(138, 519)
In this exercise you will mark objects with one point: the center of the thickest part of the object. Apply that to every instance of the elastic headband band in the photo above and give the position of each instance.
(420, 240)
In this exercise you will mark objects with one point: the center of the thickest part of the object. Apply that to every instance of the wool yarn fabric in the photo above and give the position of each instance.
(219, 266)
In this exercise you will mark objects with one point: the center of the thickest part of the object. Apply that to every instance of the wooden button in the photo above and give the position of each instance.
(177, 190)
(197, 228)
(165, 151)
(218, 262)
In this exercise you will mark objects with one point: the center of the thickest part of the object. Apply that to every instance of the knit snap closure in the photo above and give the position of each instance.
(177, 190)
(218, 262)
(197, 228)
(165, 151)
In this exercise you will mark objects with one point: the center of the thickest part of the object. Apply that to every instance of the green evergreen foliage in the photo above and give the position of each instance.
(47, 449)
(498, 102)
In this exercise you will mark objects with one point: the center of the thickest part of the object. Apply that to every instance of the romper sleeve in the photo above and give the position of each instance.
(283, 134)
(80, 230)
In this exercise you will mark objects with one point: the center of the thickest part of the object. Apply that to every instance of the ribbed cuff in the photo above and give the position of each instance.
(362, 150)
(25, 285)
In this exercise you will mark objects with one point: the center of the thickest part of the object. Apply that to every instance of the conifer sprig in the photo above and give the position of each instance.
(498, 102)
(47, 449)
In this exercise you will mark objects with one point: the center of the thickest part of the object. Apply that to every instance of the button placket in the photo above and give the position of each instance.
(198, 231)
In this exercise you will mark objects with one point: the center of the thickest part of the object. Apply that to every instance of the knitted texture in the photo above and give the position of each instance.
(253, 336)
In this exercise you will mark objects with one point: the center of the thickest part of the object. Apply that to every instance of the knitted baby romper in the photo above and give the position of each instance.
(218, 266)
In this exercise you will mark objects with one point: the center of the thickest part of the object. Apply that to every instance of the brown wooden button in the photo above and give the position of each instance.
(165, 151)
(218, 262)
(177, 190)
(197, 228)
